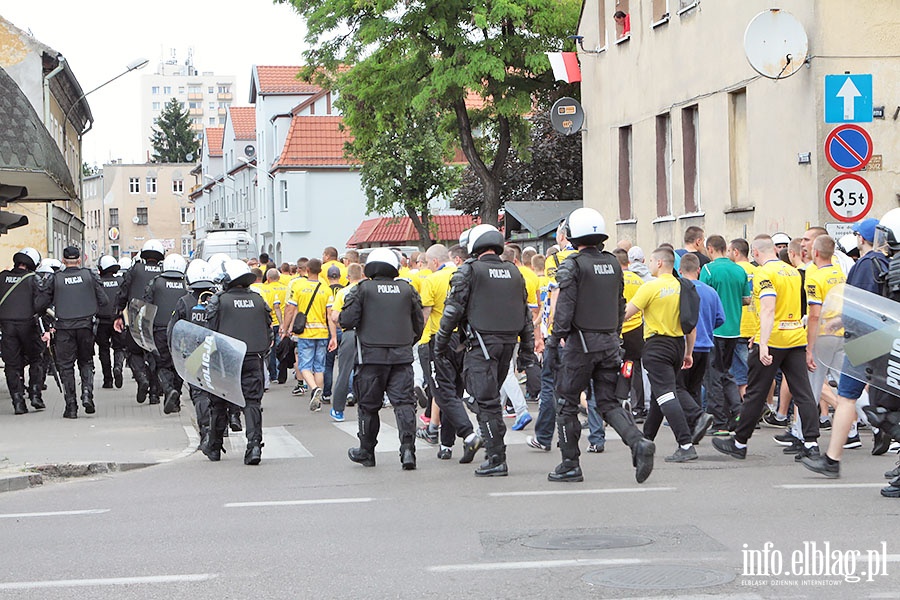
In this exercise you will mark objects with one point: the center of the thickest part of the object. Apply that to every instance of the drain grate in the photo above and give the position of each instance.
(658, 577)
(585, 542)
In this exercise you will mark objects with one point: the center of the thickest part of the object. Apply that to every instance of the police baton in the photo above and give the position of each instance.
(54, 369)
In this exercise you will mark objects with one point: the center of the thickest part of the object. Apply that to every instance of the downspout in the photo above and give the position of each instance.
(47, 78)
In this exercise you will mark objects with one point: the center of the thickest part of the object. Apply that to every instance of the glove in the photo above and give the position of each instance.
(441, 344)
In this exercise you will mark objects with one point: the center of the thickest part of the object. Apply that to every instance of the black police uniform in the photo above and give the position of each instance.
(77, 295)
(107, 338)
(21, 342)
(489, 295)
(449, 386)
(241, 313)
(164, 291)
(387, 316)
(142, 363)
(192, 308)
(590, 309)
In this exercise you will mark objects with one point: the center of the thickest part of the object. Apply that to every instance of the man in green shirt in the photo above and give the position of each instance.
(723, 401)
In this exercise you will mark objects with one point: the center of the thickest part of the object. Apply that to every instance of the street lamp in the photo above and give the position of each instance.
(257, 167)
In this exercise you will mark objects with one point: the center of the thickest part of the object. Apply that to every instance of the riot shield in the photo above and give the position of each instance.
(209, 360)
(859, 335)
(139, 317)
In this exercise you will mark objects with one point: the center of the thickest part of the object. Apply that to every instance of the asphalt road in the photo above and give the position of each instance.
(315, 525)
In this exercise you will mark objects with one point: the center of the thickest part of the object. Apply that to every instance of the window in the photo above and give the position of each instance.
(224, 89)
(167, 90)
(660, 11)
(212, 106)
(195, 89)
(737, 148)
(187, 246)
(114, 217)
(156, 106)
(178, 186)
(211, 90)
(212, 120)
(663, 165)
(134, 185)
(223, 105)
(181, 89)
(183, 105)
(691, 158)
(221, 120)
(625, 150)
(141, 215)
(195, 105)
(284, 195)
(601, 7)
(686, 5)
(622, 18)
(151, 185)
(114, 250)
(187, 215)
(154, 90)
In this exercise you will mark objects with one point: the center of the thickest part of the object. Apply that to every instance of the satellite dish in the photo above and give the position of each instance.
(567, 116)
(189, 156)
(249, 151)
(135, 219)
(776, 44)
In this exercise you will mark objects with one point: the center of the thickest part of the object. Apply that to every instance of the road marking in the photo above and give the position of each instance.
(279, 443)
(298, 502)
(594, 491)
(59, 583)
(826, 486)
(536, 564)
(59, 513)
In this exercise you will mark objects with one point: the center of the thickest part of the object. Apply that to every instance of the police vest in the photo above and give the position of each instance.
(166, 291)
(19, 305)
(73, 294)
(387, 306)
(599, 283)
(111, 285)
(242, 315)
(140, 275)
(496, 297)
(198, 304)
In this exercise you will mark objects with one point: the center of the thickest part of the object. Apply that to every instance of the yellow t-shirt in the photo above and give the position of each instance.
(820, 282)
(316, 322)
(550, 268)
(531, 286)
(274, 294)
(341, 297)
(435, 288)
(749, 317)
(633, 282)
(285, 279)
(418, 277)
(323, 276)
(405, 273)
(780, 280)
(660, 301)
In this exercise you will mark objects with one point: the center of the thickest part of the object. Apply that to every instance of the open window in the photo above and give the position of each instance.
(660, 10)
(626, 210)
(622, 19)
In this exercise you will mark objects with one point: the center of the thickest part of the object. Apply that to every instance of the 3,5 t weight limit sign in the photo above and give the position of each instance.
(848, 198)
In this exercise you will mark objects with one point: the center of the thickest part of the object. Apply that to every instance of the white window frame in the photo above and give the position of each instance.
(285, 199)
(134, 185)
(187, 215)
(178, 186)
(151, 185)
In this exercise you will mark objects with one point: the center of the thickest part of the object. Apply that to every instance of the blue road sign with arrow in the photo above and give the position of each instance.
(848, 98)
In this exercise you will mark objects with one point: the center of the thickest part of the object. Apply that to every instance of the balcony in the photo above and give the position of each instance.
(223, 96)
(223, 112)
(195, 112)
(195, 96)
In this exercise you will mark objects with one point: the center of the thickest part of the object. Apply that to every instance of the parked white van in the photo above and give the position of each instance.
(236, 243)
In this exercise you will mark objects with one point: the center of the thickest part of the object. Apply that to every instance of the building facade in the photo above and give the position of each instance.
(680, 130)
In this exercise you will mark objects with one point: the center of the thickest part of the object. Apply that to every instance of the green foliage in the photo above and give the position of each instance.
(430, 56)
(172, 138)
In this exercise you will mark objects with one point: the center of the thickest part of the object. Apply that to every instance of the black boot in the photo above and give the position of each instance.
(173, 402)
(118, 364)
(569, 428)
(18, 402)
(143, 387)
(892, 490)
(362, 456)
(217, 427)
(37, 401)
(408, 457)
(495, 450)
(369, 425)
(234, 420)
(253, 455)
(71, 410)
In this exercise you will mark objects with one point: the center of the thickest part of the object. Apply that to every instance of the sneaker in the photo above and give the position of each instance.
(315, 402)
(351, 400)
(522, 422)
(812, 453)
(771, 419)
(785, 439)
(298, 390)
(337, 416)
(726, 446)
(471, 448)
(532, 442)
(893, 473)
(826, 424)
(420, 396)
(892, 490)
(423, 433)
(681, 455)
(853, 442)
(720, 432)
(509, 412)
(795, 447)
(445, 453)
(596, 449)
(822, 466)
(326, 399)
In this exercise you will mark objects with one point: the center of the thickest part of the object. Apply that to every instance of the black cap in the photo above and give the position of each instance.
(71, 253)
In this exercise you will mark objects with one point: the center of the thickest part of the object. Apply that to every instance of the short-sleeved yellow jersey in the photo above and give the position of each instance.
(775, 278)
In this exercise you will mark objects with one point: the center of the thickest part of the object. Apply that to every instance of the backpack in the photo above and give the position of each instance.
(689, 305)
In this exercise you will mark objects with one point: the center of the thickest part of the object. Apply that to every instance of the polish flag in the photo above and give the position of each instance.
(565, 66)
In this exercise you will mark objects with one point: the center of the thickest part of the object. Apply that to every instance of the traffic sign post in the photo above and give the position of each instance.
(848, 98)
(848, 198)
(848, 148)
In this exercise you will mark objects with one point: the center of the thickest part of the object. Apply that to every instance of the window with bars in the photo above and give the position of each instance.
(114, 217)
(141, 215)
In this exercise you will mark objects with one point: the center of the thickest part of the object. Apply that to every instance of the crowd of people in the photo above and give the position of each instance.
(717, 337)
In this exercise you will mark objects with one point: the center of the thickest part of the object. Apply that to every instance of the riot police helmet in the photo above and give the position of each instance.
(464, 238)
(174, 264)
(586, 227)
(199, 275)
(887, 232)
(29, 257)
(49, 265)
(483, 238)
(125, 263)
(108, 265)
(236, 272)
(153, 250)
(383, 262)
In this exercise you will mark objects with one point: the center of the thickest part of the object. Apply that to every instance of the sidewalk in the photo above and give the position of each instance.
(122, 434)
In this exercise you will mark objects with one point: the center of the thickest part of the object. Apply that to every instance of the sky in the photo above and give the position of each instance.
(99, 38)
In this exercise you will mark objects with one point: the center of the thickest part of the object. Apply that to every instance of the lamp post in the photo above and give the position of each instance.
(223, 216)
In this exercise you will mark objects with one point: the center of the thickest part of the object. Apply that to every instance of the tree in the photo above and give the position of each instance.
(173, 140)
(550, 168)
(479, 63)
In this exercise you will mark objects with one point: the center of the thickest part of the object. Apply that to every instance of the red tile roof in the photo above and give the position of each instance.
(282, 80)
(399, 231)
(243, 121)
(314, 141)
(214, 137)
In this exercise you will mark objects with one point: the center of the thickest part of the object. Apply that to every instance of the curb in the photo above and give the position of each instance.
(34, 476)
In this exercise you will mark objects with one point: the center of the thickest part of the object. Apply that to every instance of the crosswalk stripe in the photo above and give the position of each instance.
(279, 443)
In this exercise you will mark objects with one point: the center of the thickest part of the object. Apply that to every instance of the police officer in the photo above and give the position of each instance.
(134, 284)
(241, 313)
(21, 342)
(387, 315)
(487, 298)
(589, 314)
(164, 291)
(77, 295)
(192, 308)
(107, 337)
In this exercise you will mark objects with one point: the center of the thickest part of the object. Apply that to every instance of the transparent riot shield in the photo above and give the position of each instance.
(139, 317)
(859, 335)
(209, 360)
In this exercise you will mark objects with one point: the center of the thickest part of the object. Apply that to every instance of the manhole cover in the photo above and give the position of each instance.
(585, 542)
(658, 577)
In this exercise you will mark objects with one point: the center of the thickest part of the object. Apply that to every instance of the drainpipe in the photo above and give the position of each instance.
(47, 78)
